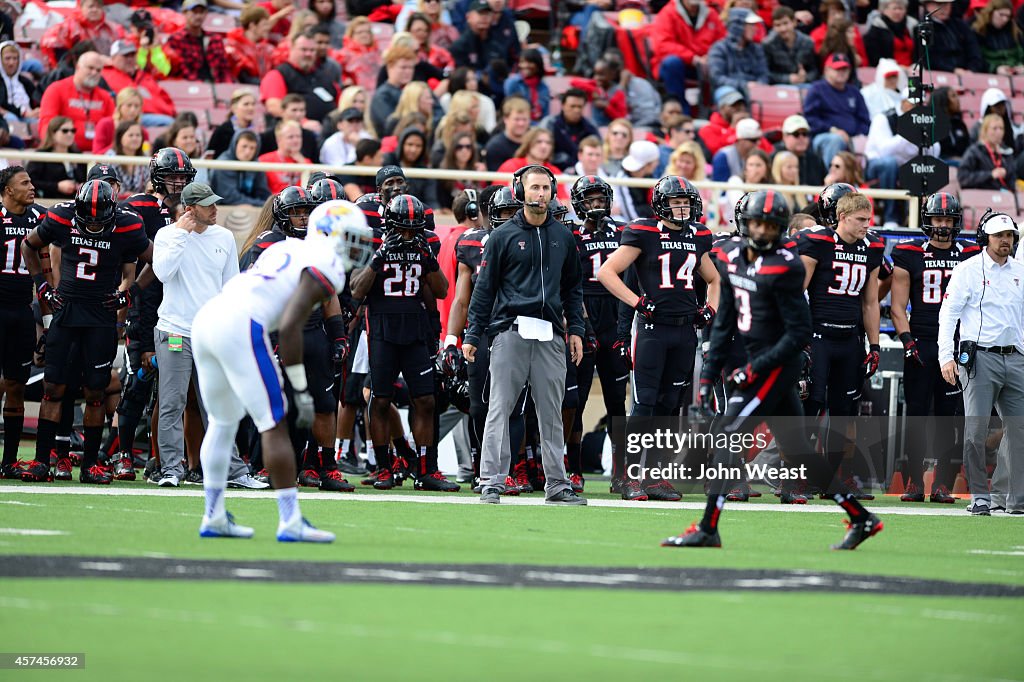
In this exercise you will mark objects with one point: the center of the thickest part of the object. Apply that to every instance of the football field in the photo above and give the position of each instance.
(421, 586)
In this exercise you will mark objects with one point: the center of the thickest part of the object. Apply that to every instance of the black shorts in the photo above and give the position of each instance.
(412, 360)
(571, 398)
(663, 357)
(353, 394)
(317, 358)
(94, 347)
(17, 341)
(837, 372)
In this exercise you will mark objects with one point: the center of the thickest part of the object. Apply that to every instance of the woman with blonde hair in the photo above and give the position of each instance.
(536, 149)
(415, 97)
(616, 145)
(127, 107)
(450, 126)
(464, 79)
(786, 171)
(688, 161)
(359, 56)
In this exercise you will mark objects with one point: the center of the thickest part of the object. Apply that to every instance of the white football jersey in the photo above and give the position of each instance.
(263, 291)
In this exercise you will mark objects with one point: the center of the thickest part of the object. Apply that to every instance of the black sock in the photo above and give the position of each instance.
(712, 512)
(91, 450)
(46, 432)
(13, 427)
(430, 454)
(851, 505)
(62, 444)
(112, 443)
(327, 461)
(382, 453)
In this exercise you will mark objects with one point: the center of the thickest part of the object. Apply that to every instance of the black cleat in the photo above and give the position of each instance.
(632, 492)
(941, 495)
(400, 470)
(792, 497)
(384, 480)
(13, 471)
(693, 537)
(332, 481)
(522, 478)
(853, 485)
(860, 531)
(63, 472)
(437, 483)
(192, 477)
(95, 475)
(913, 494)
(309, 478)
(740, 493)
(37, 472)
(615, 485)
(663, 492)
(124, 470)
(577, 482)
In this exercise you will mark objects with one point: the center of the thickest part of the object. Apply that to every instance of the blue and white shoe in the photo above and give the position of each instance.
(301, 530)
(224, 528)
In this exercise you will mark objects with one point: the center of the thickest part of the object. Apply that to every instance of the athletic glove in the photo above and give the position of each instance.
(121, 299)
(743, 377)
(590, 343)
(50, 295)
(452, 360)
(339, 353)
(706, 397)
(871, 360)
(705, 316)
(622, 347)
(427, 257)
(910, 351)
(304, 409)
(645, 307)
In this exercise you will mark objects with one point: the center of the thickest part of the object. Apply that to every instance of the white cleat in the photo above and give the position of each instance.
(224, 528)
(300, 530)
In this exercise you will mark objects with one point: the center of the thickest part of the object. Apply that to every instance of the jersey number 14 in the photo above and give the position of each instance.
(684, 274)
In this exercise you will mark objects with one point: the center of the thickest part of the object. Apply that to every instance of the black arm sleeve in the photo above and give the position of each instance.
(721, 333)
(796, 324)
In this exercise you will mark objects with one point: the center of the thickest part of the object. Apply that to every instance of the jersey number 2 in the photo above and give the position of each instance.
(83, 272)
(683, 274)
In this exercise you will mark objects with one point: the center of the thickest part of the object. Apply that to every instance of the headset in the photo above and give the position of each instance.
(981, 237)
(472, 207)
(519, 192)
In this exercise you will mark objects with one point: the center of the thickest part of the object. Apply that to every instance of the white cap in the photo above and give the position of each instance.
(748, 129)
(795, 123)
(641, 153)
(1000, 222)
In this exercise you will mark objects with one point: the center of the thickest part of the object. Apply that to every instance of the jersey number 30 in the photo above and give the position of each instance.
(850, 278)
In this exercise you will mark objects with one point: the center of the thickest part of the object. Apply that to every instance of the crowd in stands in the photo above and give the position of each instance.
(466, 85)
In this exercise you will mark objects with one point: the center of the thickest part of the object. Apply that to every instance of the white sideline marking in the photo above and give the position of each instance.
(31, 531)
(253, 573)
(109, 566)
(993, 552)
(522, 501)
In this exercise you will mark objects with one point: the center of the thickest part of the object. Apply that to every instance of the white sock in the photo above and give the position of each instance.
(369, 453)
(287, 504)
(214, 501)
(215, 455)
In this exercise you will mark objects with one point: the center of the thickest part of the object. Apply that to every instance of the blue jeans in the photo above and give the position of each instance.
(672, 75)
(156, 120)
(886, 171)
(827, 145)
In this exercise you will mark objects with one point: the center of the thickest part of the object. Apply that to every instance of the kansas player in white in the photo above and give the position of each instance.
(238, 373)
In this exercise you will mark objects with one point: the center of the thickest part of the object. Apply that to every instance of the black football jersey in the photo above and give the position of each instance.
(930, 269)
(667, 265)
(374, 212)
(15, 282)
(840, 275)
(595, 248)
(90, 267)
(154, 214)
(469, 250)
(396, 310)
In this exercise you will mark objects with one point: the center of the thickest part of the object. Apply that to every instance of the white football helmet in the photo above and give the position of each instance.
(343, 225)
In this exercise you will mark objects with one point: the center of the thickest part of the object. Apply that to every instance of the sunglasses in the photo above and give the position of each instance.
(67, 130)
(463, 146)
(690, 131)
(800, 133)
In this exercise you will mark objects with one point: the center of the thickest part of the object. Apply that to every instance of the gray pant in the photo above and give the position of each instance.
(175, 369)
(514, 361)
(999, 382)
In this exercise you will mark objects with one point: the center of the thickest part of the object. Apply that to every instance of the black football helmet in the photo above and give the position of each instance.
(768, 206)
(739, 214)
(588, 185)
(557, 210)
(938, 205)
(167, 163)
(326, 189)
(95, 207)
(672, 186)
(405, 212)
(501, 201)
(368, 198)
(288, 200)
(829, 198)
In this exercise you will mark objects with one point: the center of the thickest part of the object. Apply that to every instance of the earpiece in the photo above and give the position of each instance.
(472, 208)
(519, 192)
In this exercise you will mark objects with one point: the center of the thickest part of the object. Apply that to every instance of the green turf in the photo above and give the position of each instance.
(924, 547)
(132, 630)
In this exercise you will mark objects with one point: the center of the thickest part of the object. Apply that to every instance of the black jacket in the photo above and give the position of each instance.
(954, 46)
(976, 170)
(46, 175)
(527, 270)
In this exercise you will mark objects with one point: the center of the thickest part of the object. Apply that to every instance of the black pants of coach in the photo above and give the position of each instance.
(925, 393)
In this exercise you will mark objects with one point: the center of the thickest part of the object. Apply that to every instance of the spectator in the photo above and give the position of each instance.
(845, 168)
(834, 109)
(65, 67)
(354, 97)
(416, 96)
(293, 108)
(886, 151)
(955, 144)
(886, 93)
(842, 38)
(412, 152)
(197, 55)
(359, 56)
(80, 99)
(730, 161)
(238, 188)
(127, 108)
(321, 34)
(681, 35)
(786, 171)
(281, 14)
(590, 156)
(630, 203)
(327, 15)
(486, 45)
(288, 135)
(994, 101)
(87, 22)
(427, 50)
(368, 154)
(465, 79)
(340, 148)
(831, 11)
(670, 116)
(688, 161)
(616, 145)
(757, 171)
(987, 164)
(58, 179)
(536, 150)
(123, 71)
(129, 141)
(890, 34)
(300, 75)
(569, 126)
(620, 94)
(399, 63)
(999, 38)
(243, 116)
(953, 46)
(720, 129)
(461, 154)
(443, 34)
(790, 54)
(304, 20)
(247, 46)
(470, 104)
(151, 57)
(16, 89)
(515, 117)
(796, 139)
(451, 125)
(529, 84)
(736, 60)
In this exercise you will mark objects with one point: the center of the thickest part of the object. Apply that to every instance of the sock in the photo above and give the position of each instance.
(851, 505)
(62, 444)
(13, 427)
(383, 456)
(424, 463)
(327, 461)
(214, 502)
(311, 457)
(343, 447)
(287, 504)
(91, 450)
(45, 435)
(474, 454)
(431, 457)
(709, 524)
(215, 457)
(575, 458)
(371, 454)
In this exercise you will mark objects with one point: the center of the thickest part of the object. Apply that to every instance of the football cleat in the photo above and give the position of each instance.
(332, 481)
(437, 483)
(913, 494)
(192, 477)
(301, 530)
(124, 470)
(853, 485)
(371, 477)
(693, 537)
(615, 485)
(95, 475)
(859, 532)
(577, 483)
(478, 487)
(521, 473)
(63, 472)
(632, 491)
(663, 492)
(263, 476)
(350, 464)
(792, 497)
(510, 487)
(536, 474)
(309, 478)
(941, 496)
(740, 493)
(385, 480)
(13, 470)
(401, 470)
(223, 528)
(37, 472)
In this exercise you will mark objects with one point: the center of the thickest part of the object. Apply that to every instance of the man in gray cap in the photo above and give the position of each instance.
(193, 258)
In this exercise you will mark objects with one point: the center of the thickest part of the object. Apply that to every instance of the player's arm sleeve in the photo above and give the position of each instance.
(957, 295)
(170, 244)
(796, 323)
(481, 304)
(722, 332)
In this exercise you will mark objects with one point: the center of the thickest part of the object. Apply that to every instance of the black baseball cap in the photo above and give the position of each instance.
(103, 171)
(388, 172)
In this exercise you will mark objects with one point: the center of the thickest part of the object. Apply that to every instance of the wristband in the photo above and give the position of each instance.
(296, 376)
(451, 340)
(39, 280)
(335, 326)
(906, 338)
(47, 319)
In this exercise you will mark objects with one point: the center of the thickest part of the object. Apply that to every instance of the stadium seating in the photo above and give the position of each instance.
(975, 201)
(980, 82)
(222, 92)
(188, 95)
(771, 104)
(219, 23)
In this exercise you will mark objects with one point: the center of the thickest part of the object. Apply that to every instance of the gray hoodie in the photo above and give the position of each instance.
(240, 187)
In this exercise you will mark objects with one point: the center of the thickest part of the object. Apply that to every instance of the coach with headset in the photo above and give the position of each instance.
(528, 290)
(986, 296)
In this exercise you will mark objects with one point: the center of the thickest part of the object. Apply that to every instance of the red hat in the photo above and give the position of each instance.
(838, 60)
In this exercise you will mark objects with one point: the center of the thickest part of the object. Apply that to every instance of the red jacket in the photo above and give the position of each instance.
(718, 134)
(62, 98)
(246, 56)
(278, 180)
(155, 99)
(360, 65)
(671, 34)
(61, 37)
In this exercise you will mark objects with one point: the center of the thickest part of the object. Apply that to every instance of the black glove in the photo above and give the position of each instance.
(304, 409)
(706, 397)
(645, 307)
(743, 377)
(910, 351)
(339, 353)
(51, 296)
(121, 299)
(427, 258)
(452, 360)
(393, 244)
(705, 316)
(871, 360)
(590, 343)
(622, 346)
